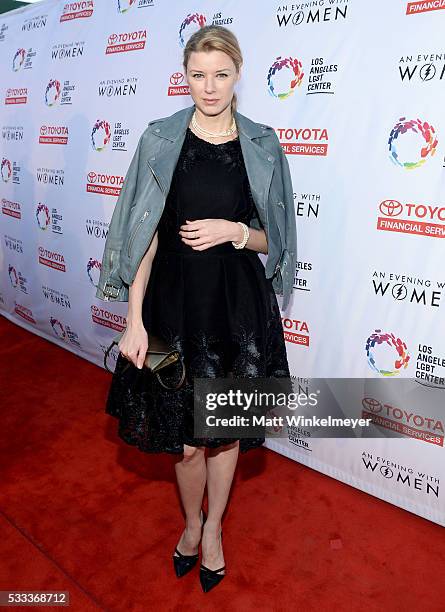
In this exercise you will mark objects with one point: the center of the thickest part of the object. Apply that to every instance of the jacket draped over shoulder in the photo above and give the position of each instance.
(145, 188)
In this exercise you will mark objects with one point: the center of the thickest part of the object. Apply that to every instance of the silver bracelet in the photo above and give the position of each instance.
(242, 244)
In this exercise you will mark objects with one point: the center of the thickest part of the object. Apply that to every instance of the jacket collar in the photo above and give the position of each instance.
(174, 126)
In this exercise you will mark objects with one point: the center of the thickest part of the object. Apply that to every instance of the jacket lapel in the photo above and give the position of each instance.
(259, 162)
(172, 131)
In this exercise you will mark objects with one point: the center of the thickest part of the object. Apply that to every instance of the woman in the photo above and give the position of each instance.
(200, 284)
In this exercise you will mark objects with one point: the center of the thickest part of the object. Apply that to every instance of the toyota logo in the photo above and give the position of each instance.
(176, 78)
(390, 208)
(371, 404)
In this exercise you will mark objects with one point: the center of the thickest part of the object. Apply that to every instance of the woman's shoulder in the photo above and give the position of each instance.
(256, 129)
(168, 125)
(250, 124)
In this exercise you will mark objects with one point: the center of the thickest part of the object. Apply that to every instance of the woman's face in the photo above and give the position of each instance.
(211, 76)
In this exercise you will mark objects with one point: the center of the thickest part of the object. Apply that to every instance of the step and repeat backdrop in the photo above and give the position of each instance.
(354, 90)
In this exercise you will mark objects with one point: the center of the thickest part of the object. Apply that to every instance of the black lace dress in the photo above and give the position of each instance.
(216, 306)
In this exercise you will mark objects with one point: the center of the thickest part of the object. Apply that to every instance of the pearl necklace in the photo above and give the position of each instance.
(228, 132)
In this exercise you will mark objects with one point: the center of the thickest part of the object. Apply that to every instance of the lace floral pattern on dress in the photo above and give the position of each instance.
(160, 420)
(227, 153)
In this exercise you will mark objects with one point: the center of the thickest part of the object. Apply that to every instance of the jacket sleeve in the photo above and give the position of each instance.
(289, 255)
(110, 284)
(291, 224)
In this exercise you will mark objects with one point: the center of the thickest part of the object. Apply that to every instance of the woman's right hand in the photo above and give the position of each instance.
(134, 344)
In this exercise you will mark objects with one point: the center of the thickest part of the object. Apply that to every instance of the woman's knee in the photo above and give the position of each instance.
(192, 453)
(213, 452)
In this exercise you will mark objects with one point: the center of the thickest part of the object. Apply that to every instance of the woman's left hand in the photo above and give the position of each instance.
(205, 233)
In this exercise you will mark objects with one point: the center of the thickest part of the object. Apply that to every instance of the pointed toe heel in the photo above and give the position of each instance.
(210, 578)
(184, 563)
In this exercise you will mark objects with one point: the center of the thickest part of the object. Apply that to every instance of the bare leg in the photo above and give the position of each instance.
(191, 477)
(221, 464)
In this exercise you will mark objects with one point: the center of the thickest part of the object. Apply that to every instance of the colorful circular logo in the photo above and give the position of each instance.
(100, 135)
(284, 76)
(192, 23)
(411, 143)
(382, 348)
(42, 216)
(19, 59)
(13, 276)
(124, 5)
(52, 92)
(6, 170)
(93, 270)
(58, 328)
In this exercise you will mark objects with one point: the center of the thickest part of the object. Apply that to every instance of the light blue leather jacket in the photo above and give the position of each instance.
(142, 198)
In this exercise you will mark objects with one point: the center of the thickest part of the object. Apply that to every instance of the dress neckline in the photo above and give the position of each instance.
(212, 144)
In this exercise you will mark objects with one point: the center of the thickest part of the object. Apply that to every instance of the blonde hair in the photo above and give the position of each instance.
(215, 38)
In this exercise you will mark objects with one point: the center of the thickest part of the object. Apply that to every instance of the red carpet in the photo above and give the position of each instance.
(83, 512)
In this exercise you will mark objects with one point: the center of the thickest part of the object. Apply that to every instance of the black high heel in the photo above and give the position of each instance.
(184, 563)
(210, 578)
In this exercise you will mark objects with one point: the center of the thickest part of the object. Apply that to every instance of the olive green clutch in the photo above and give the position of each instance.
(159, 355)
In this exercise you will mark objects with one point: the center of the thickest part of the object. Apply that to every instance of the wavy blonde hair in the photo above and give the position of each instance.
(215, 38)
